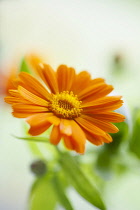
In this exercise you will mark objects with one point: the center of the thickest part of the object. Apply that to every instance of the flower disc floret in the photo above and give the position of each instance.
(65, 105)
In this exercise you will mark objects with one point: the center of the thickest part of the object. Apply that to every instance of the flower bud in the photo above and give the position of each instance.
(38, 167)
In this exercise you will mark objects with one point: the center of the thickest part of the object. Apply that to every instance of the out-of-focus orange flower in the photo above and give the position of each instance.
(10, 78)
(6, 80)
(3, 80)
(76, 105)
(33, 60)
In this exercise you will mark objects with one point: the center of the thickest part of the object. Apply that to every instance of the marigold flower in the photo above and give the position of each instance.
(3, 80)
(6, 80)
(33, 60)
(77, 106)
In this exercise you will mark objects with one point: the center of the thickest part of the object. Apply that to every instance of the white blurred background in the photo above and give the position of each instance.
(85, 34)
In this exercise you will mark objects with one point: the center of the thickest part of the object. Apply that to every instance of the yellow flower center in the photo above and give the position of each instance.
(65, 105)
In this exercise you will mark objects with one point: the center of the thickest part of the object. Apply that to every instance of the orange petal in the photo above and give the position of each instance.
(99, 94)
(102, 108)
(90, 90)
(110, 116)
(31, 97)
(79, 137)
(43, 117)
(108, 138)
(74, 137)
(102, 102)
(53, 119)
(39, 129)
(14, 93)
(68, 141)
(72, 144)
(65, 77)
(39, 117)
(55, 136)
(94, 139)
(87, 125)
(22, 115)
(48, 75)
(38, 123)
(81, 80)
(105, 126)
(98, 140)
(104, 92)
(33, 60)
(13, 100)
(97, 81)
(33, 85)
(28, 108)
(65, 127)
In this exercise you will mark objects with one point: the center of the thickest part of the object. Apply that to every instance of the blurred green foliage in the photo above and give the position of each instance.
(61, 192)
(108, 153)
(118, 65)
(135, 138)
(80, 181)
(42, 195)
(24, 67)
(88, 178)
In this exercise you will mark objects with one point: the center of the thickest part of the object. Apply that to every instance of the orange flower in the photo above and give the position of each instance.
(10, 78)
(2, 83)
(76, 105)
(33, 60)
(6, 80)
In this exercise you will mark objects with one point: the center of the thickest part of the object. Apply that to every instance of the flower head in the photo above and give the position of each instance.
(77, 107)
(33, 60)
(6, 80)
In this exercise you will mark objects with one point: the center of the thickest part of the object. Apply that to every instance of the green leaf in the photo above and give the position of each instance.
(106, 156)
(61, 194)
(24, 67)
(118, 137)
(81, 182)
(104, 163)
(134, 141)
(33, 144)
(42, 195)
(33, 139)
